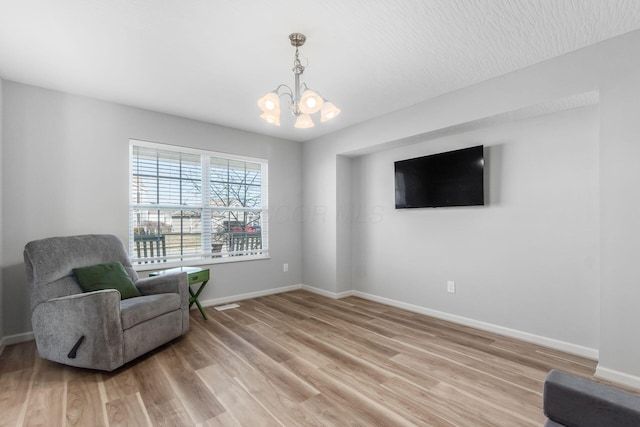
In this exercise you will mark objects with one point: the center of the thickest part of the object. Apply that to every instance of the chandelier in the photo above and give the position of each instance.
(304, 101)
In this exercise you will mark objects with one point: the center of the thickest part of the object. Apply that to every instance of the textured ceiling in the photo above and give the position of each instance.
(211, 59)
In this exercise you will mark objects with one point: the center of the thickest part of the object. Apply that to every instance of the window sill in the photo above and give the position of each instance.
(198, 262)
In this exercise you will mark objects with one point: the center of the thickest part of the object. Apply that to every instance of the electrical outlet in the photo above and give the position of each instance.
(451, 286)
(285, 267)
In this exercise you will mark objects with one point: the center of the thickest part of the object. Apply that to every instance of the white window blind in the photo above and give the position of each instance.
(189, 205)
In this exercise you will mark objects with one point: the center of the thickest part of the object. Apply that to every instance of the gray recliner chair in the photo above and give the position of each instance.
(97, 329)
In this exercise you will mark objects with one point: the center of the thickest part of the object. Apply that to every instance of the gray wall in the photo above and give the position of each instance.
(344, 221)
(65, 171)
(620, 214)
(532, 249)
(1, 210)
(319, 218)
(606, 67)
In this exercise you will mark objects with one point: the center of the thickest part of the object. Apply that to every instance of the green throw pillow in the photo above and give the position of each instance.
(106, 276)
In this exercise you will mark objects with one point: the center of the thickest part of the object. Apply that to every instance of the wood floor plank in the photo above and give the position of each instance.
(456, 410)
(45, 406)
(489, 411)
(507, 370)
(321, 411)
(281, 306)
(18, 357)
(15, 386)
(84, 406)
(530, 356)
(297, 359)
(199, 402)
(286, 381)
(490, 389)
(160, 400)
(301, 343)
(269, 348)
(356, 302)
(168, 414)
(202, 348)
(232, 362)
(289, 341)
(327, 312)
(267, 315)
(236, 400)
(355, 343)
(359, 406)
(127, 412)
(238, 317)
(418, 401)
(120, 384)
(557, 354)
(416, 414)
(223, 420)
(153, 384)
(287, 410)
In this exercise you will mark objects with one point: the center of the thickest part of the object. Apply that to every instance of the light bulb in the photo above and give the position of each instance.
(310, 102)
(269, 102)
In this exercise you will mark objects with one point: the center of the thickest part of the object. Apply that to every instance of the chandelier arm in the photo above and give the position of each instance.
(305, 87)
(283, 93)
(288, 92)
(289, 95)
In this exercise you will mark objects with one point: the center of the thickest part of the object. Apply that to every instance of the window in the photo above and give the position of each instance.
(191, 205)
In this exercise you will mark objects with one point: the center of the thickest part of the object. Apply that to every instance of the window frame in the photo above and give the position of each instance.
(206, 210)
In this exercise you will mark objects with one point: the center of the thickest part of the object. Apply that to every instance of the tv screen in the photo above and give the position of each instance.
(454, 178)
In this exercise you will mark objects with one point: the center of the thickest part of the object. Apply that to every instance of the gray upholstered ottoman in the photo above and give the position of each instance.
(573, 401)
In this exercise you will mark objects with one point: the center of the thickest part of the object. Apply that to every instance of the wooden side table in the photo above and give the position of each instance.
(195, 275)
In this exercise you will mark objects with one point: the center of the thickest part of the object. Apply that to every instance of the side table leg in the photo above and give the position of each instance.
(194, 299)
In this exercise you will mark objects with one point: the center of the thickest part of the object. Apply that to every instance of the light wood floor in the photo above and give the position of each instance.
(296, 359)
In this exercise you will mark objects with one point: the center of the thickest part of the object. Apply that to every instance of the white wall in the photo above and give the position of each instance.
(65, 171)
(606, 67)
(528, 260)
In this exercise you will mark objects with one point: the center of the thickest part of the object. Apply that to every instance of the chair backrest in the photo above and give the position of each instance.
(50, 262)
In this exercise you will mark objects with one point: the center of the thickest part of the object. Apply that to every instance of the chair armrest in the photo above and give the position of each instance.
(59, 323)
(575, 401)
(169, 283)
(165, 284)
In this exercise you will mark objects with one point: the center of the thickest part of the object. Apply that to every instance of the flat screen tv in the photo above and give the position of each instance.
(454, 178)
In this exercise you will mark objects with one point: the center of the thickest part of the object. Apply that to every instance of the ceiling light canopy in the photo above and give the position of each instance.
(303, 103)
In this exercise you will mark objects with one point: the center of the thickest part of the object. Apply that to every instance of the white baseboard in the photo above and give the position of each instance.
(240, 297)
(578, 350)
(328, 294)
(15, 339)
(617, 377)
